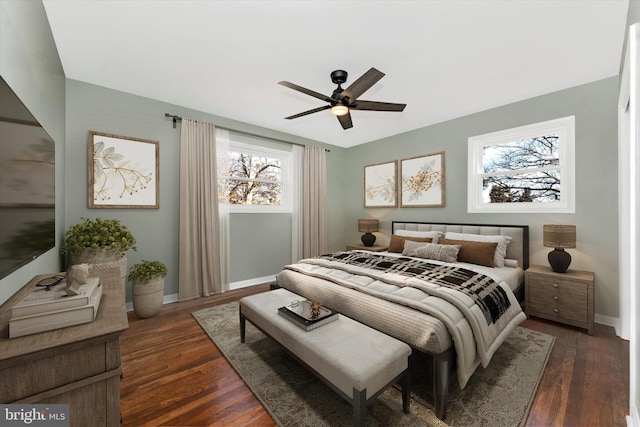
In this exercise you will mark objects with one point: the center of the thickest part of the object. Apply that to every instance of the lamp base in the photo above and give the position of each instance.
(368, 239)
(559, 260)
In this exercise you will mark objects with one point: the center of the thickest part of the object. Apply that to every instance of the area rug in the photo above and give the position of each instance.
(499, 395)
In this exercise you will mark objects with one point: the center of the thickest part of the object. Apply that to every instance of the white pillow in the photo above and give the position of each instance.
(501, 249)
(510, 262)
(435, 235)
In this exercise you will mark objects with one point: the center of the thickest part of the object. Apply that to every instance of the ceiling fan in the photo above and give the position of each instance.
(342, 101)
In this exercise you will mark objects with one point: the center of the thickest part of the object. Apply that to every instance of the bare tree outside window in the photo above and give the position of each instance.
(249, 179)
(525, 171)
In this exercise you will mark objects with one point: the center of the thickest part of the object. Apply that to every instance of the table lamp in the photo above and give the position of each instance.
(368, 226)
(559, 237)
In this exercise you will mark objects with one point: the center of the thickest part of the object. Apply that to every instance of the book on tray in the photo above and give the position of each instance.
(301, 314)
(55, 319)
(43, 300)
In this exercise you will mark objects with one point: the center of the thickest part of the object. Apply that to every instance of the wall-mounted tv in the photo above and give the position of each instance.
(27, 184)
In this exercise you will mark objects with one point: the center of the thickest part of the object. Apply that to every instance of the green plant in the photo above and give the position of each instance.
(96, 234)
(147, 270)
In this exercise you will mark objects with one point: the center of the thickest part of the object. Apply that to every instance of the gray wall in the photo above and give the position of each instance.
(260, 243)
(32, 67)
(596, 218)
(29, 63)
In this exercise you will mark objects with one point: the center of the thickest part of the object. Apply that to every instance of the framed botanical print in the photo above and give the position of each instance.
(380, 185)
(123, 172)
(422, 181)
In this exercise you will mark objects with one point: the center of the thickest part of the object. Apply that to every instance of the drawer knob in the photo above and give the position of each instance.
(555, 285)
(555, 298)
(555, 310)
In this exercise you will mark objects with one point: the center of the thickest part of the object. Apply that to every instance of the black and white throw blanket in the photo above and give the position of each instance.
(478, 312)
(485, 292)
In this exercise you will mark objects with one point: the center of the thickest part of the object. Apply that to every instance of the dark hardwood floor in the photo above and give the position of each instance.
(174, 375)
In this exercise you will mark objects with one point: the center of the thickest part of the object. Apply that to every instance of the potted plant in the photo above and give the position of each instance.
(100, 243)
(93, 236)
(147, 278)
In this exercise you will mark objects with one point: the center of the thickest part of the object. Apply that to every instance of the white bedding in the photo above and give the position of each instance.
(474, 339)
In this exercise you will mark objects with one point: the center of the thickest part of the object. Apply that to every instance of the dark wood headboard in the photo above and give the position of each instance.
(517, 249)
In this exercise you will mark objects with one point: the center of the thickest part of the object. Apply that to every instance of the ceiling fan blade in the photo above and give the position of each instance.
(345, 121)
(376, 106)
(306, 91)
(304, 113)
(361, 85)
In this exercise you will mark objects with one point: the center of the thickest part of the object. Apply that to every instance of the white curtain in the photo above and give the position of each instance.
(199, 259)
(298, 204)
(315, 196)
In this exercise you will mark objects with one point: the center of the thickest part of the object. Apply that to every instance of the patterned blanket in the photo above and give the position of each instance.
(483, 290)
(478, 312)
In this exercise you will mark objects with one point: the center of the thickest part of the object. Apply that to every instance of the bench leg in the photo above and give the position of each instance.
(406, 388)
(359, 408)
(243, 327)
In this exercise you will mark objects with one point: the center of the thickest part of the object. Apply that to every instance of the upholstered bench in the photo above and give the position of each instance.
(355, 360)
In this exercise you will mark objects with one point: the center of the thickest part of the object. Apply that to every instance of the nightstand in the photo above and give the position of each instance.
(374, 248)
(562, 297)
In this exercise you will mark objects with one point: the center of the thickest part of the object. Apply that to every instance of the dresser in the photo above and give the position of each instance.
(78, 365)
(563, 297)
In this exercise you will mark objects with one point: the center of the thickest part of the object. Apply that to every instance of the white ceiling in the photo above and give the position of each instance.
(444, 59)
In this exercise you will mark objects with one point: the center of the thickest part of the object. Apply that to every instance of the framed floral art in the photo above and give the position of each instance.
(380, 188)
(123, 172)
(422, 181)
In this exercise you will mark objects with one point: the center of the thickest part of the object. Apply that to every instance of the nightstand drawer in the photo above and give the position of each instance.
(562, 297)
(559, 297)
(568, 290)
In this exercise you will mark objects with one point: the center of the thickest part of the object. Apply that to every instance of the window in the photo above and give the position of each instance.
(254, 179)
(525, 169)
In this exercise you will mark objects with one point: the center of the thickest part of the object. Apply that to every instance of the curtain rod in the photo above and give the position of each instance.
(179, 119)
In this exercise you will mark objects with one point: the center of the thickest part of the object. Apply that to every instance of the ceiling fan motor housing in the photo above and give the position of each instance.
(339, 76)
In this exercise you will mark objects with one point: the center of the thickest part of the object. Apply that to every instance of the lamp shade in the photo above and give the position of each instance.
(367, 225)
(559, 236)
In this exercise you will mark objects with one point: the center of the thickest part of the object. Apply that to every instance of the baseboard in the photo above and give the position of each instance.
(252, 282)
(167, 299)
(614, 322)
(235, 285)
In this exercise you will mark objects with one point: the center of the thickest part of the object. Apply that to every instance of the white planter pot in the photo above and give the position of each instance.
(148, 297)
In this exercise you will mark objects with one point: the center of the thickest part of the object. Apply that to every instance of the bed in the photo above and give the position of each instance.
(455, 313)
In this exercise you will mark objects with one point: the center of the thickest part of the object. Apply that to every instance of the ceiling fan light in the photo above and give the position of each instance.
(339, 110)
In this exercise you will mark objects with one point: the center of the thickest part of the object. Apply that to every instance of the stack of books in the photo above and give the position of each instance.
(45, 309)
(301, 314)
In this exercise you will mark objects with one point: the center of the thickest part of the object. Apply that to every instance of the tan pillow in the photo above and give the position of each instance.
(481, 253)
(397, 242)
(501, 249)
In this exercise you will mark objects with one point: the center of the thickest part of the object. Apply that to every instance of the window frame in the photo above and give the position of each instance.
(285, 157)
(565, 129)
